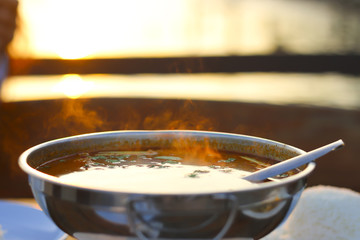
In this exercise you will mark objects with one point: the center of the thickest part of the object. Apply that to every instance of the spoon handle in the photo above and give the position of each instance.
(292, 163)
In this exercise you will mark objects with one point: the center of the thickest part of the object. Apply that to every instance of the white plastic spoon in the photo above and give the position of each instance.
(292, 163)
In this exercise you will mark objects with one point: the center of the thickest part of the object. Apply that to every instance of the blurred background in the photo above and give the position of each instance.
(287, 70)
(87, 29)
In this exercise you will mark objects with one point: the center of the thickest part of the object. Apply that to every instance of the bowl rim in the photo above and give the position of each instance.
(33, 173)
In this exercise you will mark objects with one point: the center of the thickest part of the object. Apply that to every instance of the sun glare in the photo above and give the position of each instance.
(73, 29)
(70, 29)
(73, 86)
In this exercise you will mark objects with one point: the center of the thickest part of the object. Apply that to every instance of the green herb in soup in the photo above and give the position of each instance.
(155, 171)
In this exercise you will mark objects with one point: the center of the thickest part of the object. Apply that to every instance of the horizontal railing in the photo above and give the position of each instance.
(349, 64)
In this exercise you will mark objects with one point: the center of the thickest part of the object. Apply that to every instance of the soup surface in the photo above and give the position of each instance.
(157, 171)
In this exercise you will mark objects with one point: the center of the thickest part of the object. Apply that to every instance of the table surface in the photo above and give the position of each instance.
(31, 202)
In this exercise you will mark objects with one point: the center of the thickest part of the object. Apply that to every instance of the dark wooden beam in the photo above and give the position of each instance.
(228, 64)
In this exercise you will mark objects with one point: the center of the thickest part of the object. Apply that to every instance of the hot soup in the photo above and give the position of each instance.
(157, 170)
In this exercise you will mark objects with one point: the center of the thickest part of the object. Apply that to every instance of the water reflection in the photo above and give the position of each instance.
(329, 90)
(73, 86)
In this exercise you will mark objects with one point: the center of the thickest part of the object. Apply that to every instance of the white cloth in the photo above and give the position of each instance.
(323, 213)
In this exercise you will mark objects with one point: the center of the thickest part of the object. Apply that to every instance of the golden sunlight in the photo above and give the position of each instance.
(244, 87)
(70, 29)
(73, 86)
